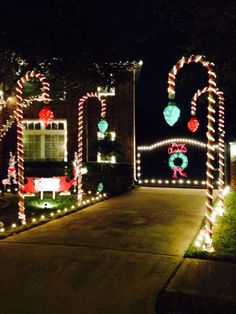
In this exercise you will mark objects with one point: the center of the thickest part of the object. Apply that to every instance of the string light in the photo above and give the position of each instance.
(169, 141)
(12, 117)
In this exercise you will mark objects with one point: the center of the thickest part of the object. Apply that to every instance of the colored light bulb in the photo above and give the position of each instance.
(102, 125)
(171, 113)
(193, 124)
(46, 115)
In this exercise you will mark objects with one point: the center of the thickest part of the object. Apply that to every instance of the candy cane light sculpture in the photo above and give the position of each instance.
(209, 66)
(102, 125)
(20, 149)
(221, 134)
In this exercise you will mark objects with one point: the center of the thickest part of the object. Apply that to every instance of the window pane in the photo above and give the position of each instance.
(37, 126)
(30, 126)
(54, 126)
(61, 126)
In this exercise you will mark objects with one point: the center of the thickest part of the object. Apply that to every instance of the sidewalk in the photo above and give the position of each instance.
(200, 286)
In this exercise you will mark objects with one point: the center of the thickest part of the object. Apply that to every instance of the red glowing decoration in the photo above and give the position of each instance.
(193, 124)
(46, 115)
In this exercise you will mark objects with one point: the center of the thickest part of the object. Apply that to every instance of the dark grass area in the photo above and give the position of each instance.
(179, 303)
(34, 207)
(36, 211)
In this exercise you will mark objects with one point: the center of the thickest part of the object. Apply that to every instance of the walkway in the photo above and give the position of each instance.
(112, 257)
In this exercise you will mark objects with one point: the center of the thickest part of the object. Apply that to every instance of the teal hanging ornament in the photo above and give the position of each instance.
(171, 113)
(100, 187)
(102, 125)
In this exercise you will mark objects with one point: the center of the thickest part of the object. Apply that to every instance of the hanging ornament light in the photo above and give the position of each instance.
(102, 125)
(193, 124)
(46, 115)
(171, 113)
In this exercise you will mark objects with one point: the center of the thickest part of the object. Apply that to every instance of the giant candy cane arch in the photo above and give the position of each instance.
(210, 131)
(19, 118)
(82, 101)
(221, 133)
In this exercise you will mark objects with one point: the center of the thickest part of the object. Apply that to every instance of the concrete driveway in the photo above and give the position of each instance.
(112, 257)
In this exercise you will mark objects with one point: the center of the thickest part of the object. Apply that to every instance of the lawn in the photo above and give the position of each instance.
(38, 211)
(224, 235)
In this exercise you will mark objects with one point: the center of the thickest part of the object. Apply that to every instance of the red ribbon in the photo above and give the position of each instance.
(180, 171)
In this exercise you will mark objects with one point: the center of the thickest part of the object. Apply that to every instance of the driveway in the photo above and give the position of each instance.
(112, 257)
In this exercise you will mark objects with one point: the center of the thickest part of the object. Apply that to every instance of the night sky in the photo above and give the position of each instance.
(158, 32)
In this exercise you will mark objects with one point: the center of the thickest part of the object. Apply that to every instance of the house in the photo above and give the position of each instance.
(49, 149)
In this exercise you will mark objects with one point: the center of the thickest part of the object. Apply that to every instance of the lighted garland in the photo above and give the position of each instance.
(221, 142)
(19, 117)
(210, 131)
(80, 137)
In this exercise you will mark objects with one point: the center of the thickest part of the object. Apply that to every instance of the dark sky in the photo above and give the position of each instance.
(158, 32)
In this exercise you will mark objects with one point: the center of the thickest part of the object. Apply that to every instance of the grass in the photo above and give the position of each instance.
(180, 303)
(224, 235)
(36, 211)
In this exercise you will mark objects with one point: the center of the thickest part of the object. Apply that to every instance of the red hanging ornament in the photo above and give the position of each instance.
(46, 115)
(193, 124)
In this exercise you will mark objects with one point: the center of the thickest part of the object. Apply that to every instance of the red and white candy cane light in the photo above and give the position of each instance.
(19, 118)
(221, 142)
(80, 138)
(210, 132)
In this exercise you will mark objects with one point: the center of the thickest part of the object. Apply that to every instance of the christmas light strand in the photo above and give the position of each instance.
(210, 130)
(12, 118)
(81, 103)
(20, 148)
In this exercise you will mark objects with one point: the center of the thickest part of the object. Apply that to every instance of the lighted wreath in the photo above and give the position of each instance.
(181, 156)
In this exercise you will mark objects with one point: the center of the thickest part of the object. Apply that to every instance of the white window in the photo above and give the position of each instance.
(105, 91)
(42, 142)
(108, 160)
(101, 136)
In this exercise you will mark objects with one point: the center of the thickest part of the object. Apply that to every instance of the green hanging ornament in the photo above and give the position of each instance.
(171, 113)
(102, 125)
